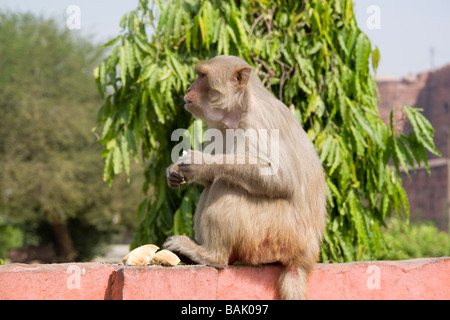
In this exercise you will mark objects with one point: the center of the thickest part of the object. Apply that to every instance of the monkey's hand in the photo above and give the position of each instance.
(196, 166)
(174, 178)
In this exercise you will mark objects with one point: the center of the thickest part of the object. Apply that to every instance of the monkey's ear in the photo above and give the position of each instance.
(241, 76)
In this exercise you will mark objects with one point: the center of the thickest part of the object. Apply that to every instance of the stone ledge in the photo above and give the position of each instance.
(65, 281)
(408, 279)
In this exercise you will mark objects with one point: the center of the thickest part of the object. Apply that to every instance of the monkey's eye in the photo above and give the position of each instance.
(200, 74)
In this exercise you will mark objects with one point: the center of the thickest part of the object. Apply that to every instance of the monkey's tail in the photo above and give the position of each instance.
(292, 284)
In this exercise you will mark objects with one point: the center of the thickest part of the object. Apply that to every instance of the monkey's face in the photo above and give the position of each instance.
(195, 95)
(199, 100)
(218, 88)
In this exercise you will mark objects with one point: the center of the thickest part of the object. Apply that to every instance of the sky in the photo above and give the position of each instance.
(412, 35)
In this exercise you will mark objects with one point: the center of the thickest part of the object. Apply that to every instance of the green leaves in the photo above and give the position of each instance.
(422, 128)
(362, 52)
(409, 151)
(312, 56)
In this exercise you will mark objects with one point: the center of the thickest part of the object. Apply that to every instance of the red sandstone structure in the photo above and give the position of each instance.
(429, 195)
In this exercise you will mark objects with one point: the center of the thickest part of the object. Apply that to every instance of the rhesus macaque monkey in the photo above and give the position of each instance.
(244, 213)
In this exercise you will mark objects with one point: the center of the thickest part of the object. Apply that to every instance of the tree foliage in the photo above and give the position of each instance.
(311, 55)
(415, 240)
(50, 173)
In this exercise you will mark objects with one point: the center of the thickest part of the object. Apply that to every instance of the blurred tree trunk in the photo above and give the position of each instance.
(64, 245)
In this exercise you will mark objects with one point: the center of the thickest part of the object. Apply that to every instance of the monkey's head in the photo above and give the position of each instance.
(218, 94)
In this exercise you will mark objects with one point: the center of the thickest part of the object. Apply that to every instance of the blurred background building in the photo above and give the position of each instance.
(429, 195)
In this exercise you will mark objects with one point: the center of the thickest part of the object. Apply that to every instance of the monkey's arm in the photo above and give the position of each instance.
(257, 176)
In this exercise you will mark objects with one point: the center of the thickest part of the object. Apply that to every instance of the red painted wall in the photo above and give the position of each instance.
(409, 279)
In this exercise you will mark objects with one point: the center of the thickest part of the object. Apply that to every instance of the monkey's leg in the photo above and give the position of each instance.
(187, 247)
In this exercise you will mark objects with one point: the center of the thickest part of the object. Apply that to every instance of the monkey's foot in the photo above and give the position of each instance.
(184, 246)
